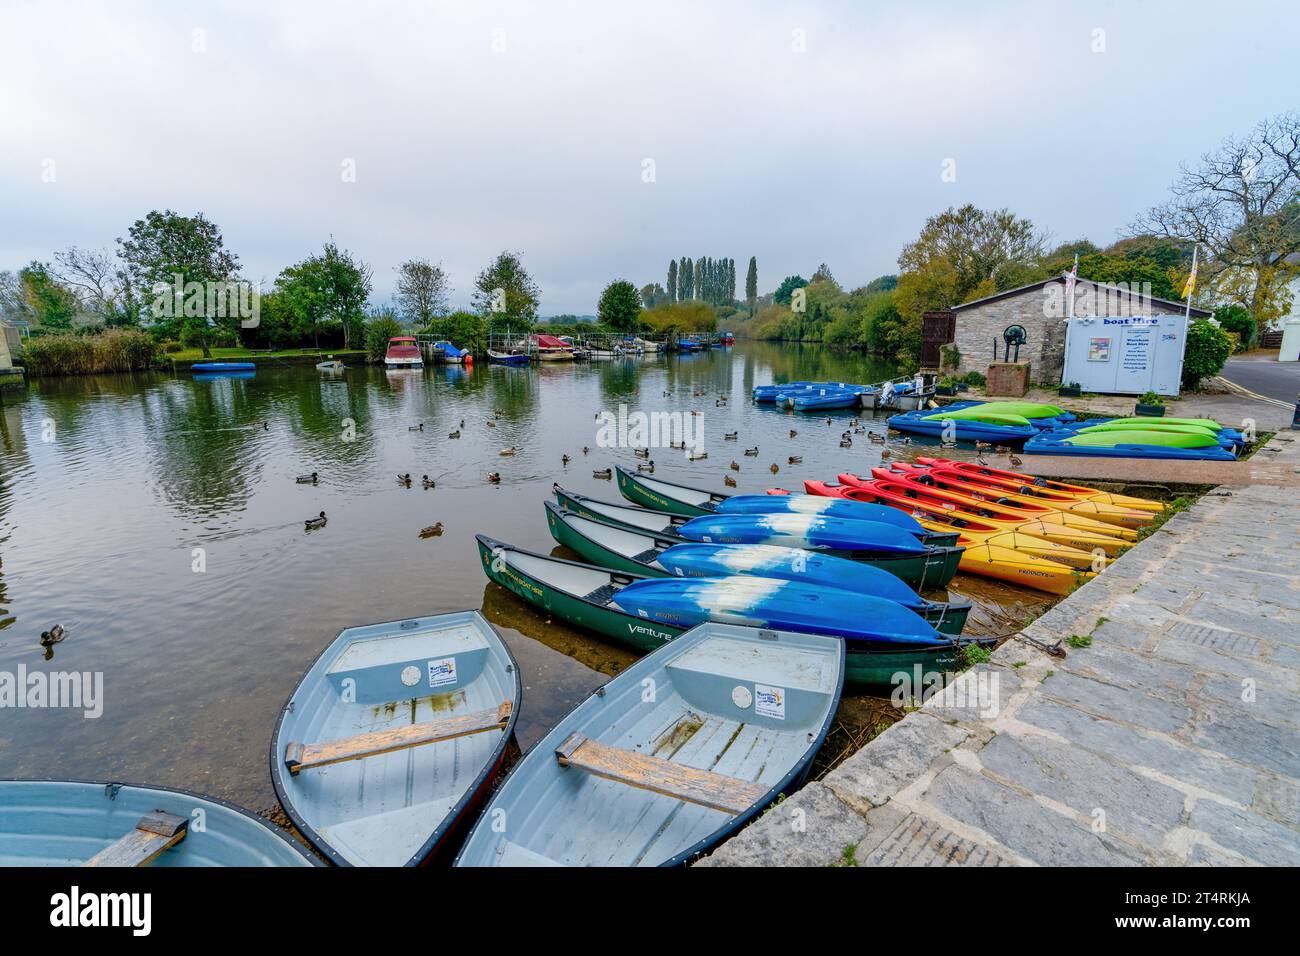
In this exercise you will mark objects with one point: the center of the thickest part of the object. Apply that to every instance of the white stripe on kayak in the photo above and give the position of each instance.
(734, 594)
(746, 557)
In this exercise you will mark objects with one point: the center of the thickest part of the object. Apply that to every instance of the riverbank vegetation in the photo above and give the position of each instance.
(116, 350)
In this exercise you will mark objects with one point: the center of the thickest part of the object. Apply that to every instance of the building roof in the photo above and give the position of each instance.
(1035, 286)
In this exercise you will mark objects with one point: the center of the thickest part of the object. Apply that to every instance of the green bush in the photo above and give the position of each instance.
(171, 347)
(378, 332)
(976, 379)
(118, 350)
(1237, 319)
(1208, 348)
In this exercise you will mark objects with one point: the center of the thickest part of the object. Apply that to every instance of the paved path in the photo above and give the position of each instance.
(1265, 467)
(1173, 738)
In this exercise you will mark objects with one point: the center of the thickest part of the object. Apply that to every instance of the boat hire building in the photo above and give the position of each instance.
(979, 328)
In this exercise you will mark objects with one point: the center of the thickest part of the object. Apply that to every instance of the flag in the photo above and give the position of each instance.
(1190, 287)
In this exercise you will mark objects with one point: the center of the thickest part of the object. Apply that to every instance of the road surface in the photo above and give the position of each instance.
(1267, 376)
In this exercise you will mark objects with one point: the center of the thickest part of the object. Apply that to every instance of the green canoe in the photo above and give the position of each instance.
(933, 570)
(623, 549)
(581, 595)
(660, 495)
(1125, 425)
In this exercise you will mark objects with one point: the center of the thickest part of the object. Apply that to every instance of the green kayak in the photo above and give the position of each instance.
(1167, 439)
(1000, 413)
(1124, 425)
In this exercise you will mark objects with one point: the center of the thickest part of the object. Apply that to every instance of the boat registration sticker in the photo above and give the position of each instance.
(769, 701)
(741, 697)
(410, 675)
(442, 671)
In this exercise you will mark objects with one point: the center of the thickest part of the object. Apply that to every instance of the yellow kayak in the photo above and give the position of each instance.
(1024, 543)
(1004, 564)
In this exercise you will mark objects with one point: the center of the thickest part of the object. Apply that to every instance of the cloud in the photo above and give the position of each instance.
(479, 127)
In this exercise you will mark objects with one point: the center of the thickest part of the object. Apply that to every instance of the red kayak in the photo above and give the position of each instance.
(1028, 484)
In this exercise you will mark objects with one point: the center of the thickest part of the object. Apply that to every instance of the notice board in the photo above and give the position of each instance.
(1125, 355)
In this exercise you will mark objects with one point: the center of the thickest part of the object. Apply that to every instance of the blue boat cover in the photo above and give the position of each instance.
(814, 532)
(819, 505)
(774, 603)
(789, 564)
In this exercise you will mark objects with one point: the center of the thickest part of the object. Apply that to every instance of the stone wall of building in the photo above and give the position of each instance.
(1041, 312)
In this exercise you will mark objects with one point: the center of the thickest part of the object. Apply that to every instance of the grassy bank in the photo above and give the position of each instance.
(186, 356)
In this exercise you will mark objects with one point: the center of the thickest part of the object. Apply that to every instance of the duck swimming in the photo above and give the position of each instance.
(494, 477)
(752, 452)
(455, 434)
(603, 473)
(404, 479)
(427, 482)
(311, 523)
(433, 531)
(507, 452)
(53, 636)
(308, 479)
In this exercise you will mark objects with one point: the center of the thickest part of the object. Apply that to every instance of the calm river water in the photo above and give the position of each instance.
(109, 485)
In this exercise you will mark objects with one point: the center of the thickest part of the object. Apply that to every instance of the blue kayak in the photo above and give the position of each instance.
(223, 367)
(811, 532)
(818, 505)
(775, 603)
(823, 398)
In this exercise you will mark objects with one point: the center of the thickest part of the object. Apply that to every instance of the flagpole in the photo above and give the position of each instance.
(1191, 282)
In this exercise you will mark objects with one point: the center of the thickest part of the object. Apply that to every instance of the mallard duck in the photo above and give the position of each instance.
(641, 452)
(947, 444)
(679, 445)
(982, 445)
(729, 481)
(697, 456)
(433, 531)
(427, 482)
(499, 413)
(318, 522)
(585, 449)
(1002, 450)
(564, 459)
(774, 468)
(266, 426)
(795, 460)
(907, 441)
(1015, 461)
(455, 434)
(462, 423)
(793, 433)
(719, 403)
(892, 432)
(404, 479)
(648, 468)
(694, 412)
(884, 453)
(53, 636)
(875, 438)
(731, 436)
(507, 452)
(735, 465)
(605, 473)
(416, 428)
(491, 423)
(846, 442)
(752, 452)
(494, 477)
(308, 479)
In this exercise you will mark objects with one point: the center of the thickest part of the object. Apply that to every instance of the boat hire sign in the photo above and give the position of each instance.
(1125, 355)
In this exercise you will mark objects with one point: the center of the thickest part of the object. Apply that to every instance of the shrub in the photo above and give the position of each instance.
(171, 347)
(1237, 319)
(378, 332)
(976, 379)
(1150, 398)
(1208, 348)
(118, 350)
(949, 357)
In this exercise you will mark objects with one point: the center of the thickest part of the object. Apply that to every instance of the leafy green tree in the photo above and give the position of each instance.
(51, 305)
(505, 294)
(786, 289)
(884, 283)
(164, 245)
(672, 281)
(332, 287)
(751, 284)
(463, 329)
(620, 306)
(1237, 320)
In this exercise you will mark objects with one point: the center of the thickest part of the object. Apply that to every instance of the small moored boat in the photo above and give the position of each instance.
(75, 823)
(403, 352)
(211, 367)
(587, 596)
(626, 550)
(394, 736)
(630, 779)
(507, 358)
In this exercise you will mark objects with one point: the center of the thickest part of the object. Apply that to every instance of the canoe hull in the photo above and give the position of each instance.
(872, 667)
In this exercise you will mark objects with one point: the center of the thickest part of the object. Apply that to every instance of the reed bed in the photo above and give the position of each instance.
(117, 350)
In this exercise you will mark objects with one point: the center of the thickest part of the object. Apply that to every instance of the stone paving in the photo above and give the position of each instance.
(1172, 738)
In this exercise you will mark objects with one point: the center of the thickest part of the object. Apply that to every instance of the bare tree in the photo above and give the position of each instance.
(422, 290)
(100, 282)
(1242, 204)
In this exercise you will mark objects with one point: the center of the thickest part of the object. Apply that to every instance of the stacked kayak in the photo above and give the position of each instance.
(1141, 437)
(812, 396)
(982, 421)
(1042, 487)
(684, 500)
(621, 548)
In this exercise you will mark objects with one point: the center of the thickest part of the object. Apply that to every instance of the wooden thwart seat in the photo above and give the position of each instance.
(154, 833)
(299, 757)
(704, 787)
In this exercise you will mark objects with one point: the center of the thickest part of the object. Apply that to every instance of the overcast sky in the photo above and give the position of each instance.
(796, 132)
